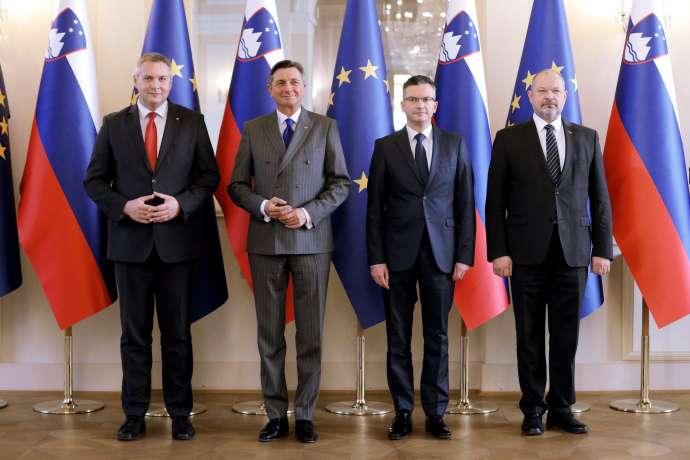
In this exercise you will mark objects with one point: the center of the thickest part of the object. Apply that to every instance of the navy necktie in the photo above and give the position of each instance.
(289, 131)
(420, 158)
(553, 162)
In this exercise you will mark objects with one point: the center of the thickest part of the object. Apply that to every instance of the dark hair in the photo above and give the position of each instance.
(285, 64)
(153, 57)
(417, 80)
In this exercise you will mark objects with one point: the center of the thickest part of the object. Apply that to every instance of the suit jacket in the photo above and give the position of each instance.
(119, 171)
(400, 207)
(523, 203)
(310, 174)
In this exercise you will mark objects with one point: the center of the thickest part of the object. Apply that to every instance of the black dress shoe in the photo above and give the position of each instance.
(274, 429)
(566, 421)
(182, 428)
(401, 426)
(133, 427)
(437, 427)
(305, 431)
(532, 426)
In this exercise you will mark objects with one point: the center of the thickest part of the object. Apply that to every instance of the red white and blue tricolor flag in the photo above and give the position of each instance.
(360, 103)
(547, 46)
(60, 228)
(10, 267)
(462, 108)
(646, 170)
(167, 34)
(259, 48)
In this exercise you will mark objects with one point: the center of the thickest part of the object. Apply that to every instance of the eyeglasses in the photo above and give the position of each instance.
(414, 100)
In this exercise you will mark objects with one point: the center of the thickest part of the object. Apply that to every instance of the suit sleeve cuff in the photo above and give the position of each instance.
(263, 211)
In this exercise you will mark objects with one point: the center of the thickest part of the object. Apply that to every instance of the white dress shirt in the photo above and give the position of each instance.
(428, 142)
(282, 126)
(161, 118)
(558, 132)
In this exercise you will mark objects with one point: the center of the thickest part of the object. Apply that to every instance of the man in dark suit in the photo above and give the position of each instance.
(152, 169)
(540, 233)
(290, 175)
(420, 229)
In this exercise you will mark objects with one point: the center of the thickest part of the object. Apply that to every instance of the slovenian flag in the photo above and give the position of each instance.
(462, 108)
(646, 170)
(60, 228)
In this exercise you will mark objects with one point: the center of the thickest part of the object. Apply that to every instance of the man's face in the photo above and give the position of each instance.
(153, 82)
(287, 88)
(419, 104)
(547, 96)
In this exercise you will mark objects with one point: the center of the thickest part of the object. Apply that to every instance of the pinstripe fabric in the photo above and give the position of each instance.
(310, 279)
(552, 161)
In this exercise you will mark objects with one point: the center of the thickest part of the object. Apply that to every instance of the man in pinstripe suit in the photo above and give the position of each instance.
(290, 175)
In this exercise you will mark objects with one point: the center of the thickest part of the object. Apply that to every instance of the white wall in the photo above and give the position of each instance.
(225, 342)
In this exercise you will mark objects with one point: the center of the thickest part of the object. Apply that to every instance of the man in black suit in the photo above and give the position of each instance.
(540, 233)
(420, 229)
(152, 169)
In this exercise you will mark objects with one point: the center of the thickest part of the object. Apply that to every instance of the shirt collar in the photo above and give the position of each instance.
(541, 123)
(411, 133)
(282, 117)
(161, 111)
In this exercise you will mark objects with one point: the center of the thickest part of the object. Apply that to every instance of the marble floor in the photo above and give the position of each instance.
(222, 434)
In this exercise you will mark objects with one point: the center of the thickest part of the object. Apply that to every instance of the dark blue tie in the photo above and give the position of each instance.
(289, 131)
(420, 158)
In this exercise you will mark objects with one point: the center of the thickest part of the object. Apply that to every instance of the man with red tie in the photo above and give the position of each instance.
(152, 169)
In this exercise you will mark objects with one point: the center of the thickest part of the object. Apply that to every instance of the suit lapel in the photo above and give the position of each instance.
(403, 142)
(272, 131)
(534, 146)
(137, 139)
(172, 124)
(302, 130)
(569, 133)
(435, 153)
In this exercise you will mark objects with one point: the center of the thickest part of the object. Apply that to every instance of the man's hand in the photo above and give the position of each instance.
(601, 265)
(138, 210)
(276, 208)
(503, 266)
(459, 271)
(293, 219)
(167, 210)
(379, 273)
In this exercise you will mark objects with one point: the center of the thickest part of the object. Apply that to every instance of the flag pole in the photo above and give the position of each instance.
(464, 406)
(360, 406)
(644, 405)
(68, 405)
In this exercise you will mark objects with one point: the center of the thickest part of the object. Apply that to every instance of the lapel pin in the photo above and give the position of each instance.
(177, 118)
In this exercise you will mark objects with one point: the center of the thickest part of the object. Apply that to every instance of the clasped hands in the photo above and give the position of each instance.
(139, 211)
(278, 209)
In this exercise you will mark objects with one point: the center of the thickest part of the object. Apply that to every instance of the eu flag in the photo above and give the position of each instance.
(10, 269)
(646, 170)
(360, 103)
(547, 46)
(167, 34)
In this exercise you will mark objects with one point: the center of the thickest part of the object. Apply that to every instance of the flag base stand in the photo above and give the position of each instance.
(254, 408)
(360, 406)
(3, 404)
(463, 406)
(161, 411)
(68, 406)
(644, 405)
(579, 408)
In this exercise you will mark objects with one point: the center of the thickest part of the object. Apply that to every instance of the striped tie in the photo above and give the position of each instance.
(553, 163)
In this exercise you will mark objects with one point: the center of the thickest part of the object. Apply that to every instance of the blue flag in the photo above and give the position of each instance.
(167, 34)
(360, 102)
(10, 269)
(547, 46)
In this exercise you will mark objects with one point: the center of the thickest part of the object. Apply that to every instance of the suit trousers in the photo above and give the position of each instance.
(167, 285)
(436, 293)
(558, 288)
(271, 274)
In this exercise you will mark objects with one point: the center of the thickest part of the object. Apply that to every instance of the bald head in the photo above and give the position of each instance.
(547, 94)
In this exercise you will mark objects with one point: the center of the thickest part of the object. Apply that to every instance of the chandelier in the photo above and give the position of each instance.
(412, 31)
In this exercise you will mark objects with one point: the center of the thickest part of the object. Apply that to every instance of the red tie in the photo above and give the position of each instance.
(151, 140)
